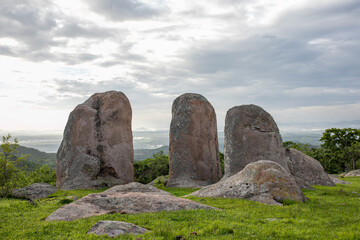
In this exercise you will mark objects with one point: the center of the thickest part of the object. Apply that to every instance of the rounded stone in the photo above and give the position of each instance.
(262, 181)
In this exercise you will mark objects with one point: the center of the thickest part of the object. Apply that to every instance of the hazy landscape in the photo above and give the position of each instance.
(50, 141)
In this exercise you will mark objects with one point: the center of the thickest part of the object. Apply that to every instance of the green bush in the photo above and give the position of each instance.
(10, 175)
(149, 169)
(13, 175)
(43, 174)
(221, 157)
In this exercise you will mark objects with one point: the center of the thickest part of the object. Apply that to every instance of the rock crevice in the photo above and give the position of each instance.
(97, 149)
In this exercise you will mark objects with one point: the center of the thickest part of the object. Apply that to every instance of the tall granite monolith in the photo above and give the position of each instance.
(97, 147)
(193, 150)
(251, 134)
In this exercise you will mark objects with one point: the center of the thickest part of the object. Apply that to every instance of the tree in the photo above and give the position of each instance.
(302, 147)
(149, 169)
(10, 175)
(344, 145)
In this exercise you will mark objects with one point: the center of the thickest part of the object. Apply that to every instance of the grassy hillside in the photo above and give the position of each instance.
(330, 213)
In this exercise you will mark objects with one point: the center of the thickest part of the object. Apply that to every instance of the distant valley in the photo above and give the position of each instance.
(42, 147)
(38, 158)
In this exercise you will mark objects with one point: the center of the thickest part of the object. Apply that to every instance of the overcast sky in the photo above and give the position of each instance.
(299, 59)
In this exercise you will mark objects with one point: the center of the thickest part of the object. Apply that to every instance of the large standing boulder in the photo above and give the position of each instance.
(306, 170)
(97, 148)
(130, 198)
(34, 191)
(251, 134)
(193, 151)
(262, 181)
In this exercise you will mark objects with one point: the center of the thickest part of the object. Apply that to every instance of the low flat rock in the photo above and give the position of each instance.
(353, 173)
(306, 170)
(336, 180)
(136, 187)
(121, 199)
(35, 191)
(262, 181)
(115, 228)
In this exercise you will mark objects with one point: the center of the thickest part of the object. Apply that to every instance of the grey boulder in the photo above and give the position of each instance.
(115, 228)
(97, 147)
(193, 148)
(124, 199)
(35, 191)
(251, 134)
(262, 181)
(306, 170)
(353, 173)
(336, 180)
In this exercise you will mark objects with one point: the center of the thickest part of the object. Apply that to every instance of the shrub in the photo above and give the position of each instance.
(149, 169)
(10, 176)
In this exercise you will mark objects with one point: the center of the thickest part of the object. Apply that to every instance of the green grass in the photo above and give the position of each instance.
(330, 213)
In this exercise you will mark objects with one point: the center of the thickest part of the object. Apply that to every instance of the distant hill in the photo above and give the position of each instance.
(141, 154)
(36, 159)
(39, 157)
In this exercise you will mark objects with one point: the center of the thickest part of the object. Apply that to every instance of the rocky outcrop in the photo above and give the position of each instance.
(336, 180)
(131, 198)
(193, 151)
(251, 134)
(136, 187)
(115, 228)
(34, 191)
(306, 170)
(353, 173)
(262, 181)
(97, 148)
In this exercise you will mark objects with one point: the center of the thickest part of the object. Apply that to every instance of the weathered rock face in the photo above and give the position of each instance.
(97, 148)
(251, 134)
(262, 181)
(35, 191)
(115, 228)
(353, 173)
(135, 198)
(193, 151)
(306, 170)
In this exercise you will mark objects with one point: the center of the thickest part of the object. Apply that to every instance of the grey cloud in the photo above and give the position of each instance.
(34, 25)
(74, 29)
(119, 59)
(123, 10)
(4, 50)
(266, 67)
(23, 20)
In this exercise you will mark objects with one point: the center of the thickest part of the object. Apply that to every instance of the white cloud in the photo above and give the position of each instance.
(297, 59)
